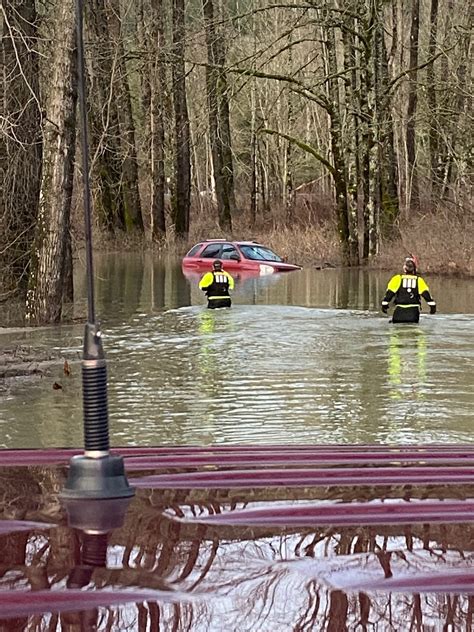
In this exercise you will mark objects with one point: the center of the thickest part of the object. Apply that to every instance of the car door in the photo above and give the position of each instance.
(230, 257)
(209, 254)
(191, 259)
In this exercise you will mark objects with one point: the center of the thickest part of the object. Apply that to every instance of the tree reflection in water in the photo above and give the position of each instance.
(183, 573)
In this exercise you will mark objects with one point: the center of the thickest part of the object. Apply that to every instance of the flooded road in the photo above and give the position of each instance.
(278, 500)
(305, 357)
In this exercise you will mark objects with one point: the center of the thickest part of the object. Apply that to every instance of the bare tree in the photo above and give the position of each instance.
(431, 89)
(346, 211)
(363, 101)
(154, 86)
(182, 176)
(129, 165)
(106, 163)
(46, 280)
(20, 141)
(412, 103)
(219, 123)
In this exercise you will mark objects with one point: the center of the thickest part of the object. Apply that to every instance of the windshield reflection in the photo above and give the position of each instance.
(259, 253)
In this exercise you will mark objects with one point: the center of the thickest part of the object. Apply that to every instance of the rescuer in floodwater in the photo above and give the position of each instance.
(216, 285)
(406, 290)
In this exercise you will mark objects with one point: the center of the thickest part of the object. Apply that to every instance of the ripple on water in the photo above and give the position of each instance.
(269, 373)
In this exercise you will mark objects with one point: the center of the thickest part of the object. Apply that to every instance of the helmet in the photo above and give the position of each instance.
(410, 264)
(217, 265)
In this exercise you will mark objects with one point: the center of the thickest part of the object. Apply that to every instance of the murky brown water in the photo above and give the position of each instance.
(301, 357)
(243, 536)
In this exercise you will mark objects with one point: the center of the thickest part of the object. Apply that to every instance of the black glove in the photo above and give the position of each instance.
(432, 309)
(385, 308)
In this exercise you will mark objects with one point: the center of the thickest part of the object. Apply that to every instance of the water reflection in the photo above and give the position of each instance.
(208, 360)
(407, 355)
(126, 286)
(163, 569)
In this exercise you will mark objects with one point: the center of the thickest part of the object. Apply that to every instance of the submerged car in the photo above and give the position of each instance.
(236, 256)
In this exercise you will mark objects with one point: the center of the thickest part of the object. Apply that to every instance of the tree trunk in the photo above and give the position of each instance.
(182, 193)
(388, 181)
(431, 94)
(20, 144)
(370, 106)
(289, 176)
(351, 131)
(366, 101)
(129, 167)
(412, 105)
(456, 160)
(349, 241)
(68, 283)
(106, 165)
(219, 125)
(253, 157)
(46, 281)
(154, 89)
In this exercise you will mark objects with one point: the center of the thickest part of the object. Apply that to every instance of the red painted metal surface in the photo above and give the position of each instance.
(455, 583)
(344, 514)
(276, 458)
(437, 452)
(18, 603)
(217, 555)
(305, 477)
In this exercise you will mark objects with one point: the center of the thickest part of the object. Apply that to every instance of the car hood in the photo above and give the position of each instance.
(282, 267)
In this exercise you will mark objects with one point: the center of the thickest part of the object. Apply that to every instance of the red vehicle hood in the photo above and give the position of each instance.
(283, 267)
(194, 272)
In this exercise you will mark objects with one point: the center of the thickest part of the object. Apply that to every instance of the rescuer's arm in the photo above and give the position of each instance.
(424, 291)
(231, 281)
(206, 281)
(390, 292)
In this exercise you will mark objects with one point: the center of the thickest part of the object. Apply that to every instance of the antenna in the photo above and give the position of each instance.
(96, 474)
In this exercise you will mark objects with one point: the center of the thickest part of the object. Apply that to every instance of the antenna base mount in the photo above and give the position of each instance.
(97, 478)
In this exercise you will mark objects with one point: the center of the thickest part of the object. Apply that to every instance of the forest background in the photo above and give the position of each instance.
(331, 130)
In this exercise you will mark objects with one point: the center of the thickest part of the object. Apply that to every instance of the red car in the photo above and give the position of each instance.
(235, 256)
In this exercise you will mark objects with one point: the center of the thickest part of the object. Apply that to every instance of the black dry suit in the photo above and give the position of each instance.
(407, 290)
(216, 285)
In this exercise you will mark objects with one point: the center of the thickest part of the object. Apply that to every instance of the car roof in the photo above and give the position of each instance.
(230, 241)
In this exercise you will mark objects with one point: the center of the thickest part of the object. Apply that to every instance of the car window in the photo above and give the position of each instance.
(228, 250)
(259, 253)
(193, 250)
(212, 251)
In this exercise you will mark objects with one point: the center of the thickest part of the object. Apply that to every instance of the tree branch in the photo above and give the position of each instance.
(408, 71)
(304, 146)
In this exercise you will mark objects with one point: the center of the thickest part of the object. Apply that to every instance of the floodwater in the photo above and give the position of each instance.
(315, 472)
(301, 357)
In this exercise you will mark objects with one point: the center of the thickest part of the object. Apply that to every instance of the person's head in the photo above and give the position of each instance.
(409, 267)
(217, 265)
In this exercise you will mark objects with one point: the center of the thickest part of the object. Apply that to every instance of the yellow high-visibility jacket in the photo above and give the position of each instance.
(406, 290)
(216, 284)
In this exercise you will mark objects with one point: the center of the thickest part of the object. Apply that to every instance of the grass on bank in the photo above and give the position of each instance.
(443, 244)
